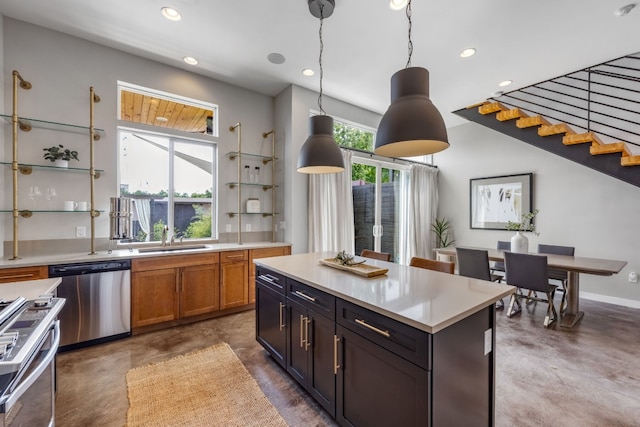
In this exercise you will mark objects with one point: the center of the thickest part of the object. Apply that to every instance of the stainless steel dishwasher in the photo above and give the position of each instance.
(98, 302)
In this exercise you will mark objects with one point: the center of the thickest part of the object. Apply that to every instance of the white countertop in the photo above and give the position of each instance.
(65, 258)
(29, 289)
(427, 300)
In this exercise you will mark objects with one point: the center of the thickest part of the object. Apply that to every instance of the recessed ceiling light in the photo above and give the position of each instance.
(162, 119)
(505, 83)
(276, 58)
(467, 52)
(397, 4)
(624, 10)
(190, 60)
(308, 72)
(171, 14)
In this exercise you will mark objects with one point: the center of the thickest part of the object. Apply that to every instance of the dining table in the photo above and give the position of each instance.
(573, 265)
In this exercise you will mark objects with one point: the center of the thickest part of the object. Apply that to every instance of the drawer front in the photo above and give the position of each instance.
(173, 261)
(405, 341)
(234, 256)
(271, 279)
(19, 274)
(318, 301)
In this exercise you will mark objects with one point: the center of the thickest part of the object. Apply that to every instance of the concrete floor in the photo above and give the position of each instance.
(586, 376)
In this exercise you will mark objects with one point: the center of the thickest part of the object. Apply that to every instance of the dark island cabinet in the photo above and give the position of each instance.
(271, 318)
(368, 369)
(311, 345)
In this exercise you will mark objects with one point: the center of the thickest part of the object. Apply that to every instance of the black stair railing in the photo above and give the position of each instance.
(603, 98)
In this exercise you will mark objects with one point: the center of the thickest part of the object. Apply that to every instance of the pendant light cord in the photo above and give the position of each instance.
(410, 46)
(320, 59)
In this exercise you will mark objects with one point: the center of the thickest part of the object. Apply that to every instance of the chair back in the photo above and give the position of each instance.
(557, 250)
(382, 256)
(502, 246)
(473, 263)
(430, 264)
(527, 271)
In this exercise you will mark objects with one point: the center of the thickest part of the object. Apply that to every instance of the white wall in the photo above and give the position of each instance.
(61, 69)
(293, 107)
(578, 206)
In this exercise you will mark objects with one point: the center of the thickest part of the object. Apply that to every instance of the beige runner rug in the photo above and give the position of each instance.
(208, 387)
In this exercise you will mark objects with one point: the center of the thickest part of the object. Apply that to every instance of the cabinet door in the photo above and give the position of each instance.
(234, 284)
(199, 290)
(154, 296)
(378, 388)
(297, 342)
(271, 322)
(321, 381)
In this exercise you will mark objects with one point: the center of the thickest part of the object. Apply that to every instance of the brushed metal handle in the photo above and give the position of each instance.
(301, 331)
(307, 340)
(305, 296)
(385, 334)
(281, 316)
(234, 256)
(336, 340)
(266, 277)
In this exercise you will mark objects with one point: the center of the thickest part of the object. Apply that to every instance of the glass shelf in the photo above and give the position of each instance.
(27, 213)
(265, 159)
(264, 214)
(26, 124)
(265, 187)
(26, 169)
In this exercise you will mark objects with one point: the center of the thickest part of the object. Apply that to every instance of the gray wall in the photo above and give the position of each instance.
(578, 206)
(61, 69)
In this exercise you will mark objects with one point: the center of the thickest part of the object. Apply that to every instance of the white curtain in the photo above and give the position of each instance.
(331, 210)
(422, 205)
(143, 212)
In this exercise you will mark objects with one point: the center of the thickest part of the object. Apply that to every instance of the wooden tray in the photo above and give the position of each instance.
(359, 269)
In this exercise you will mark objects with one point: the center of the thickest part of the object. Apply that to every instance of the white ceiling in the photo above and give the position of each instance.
(365, 41)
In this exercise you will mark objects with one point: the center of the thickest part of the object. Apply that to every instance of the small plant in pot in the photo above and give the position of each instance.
(59, 155)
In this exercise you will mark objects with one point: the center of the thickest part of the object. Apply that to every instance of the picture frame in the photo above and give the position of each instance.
(496, 200)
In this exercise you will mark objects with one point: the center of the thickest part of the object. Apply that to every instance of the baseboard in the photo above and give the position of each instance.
(611, 300)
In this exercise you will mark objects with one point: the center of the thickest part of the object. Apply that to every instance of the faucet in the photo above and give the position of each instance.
(164, 235)
(173, 239)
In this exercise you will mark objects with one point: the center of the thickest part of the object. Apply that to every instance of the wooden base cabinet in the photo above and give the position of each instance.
(234, 279)
(168, 288)
(20, 274)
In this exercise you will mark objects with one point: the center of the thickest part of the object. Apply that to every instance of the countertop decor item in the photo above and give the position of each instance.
(359, 268)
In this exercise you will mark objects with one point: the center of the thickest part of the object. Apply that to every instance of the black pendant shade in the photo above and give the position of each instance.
(320, 152)
(412, 126)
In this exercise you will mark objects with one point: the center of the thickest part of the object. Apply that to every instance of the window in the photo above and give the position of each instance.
(171, 182)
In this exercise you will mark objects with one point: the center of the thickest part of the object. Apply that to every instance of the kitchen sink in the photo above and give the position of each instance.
(171, 248)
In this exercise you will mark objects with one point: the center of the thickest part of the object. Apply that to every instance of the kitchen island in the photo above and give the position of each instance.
(411, 347)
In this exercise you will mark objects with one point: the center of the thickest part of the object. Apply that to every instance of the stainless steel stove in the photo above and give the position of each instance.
(29, 339)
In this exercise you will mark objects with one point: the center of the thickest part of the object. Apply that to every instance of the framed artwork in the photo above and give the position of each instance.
(497, 200)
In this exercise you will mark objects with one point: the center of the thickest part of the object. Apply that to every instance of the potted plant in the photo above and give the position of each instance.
(519, 242)
(59, 155)
(441, 227)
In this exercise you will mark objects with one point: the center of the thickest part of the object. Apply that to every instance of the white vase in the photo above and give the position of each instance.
(61, 163)
(519, 243)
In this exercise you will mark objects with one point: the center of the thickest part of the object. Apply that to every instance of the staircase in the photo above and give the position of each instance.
(591, 116)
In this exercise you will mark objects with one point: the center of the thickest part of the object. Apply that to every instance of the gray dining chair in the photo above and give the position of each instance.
(498, 266)
(474, 263)
(531, 272)
(556, 274)
(382, 256)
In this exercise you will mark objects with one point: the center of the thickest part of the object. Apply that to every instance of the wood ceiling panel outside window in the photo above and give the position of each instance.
(154, 111)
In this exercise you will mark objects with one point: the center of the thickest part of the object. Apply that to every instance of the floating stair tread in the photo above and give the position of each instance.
(491, 107)
(515, 113)
(630, 161)
(581, 138)
(548, 130)
(614, 147)
(479, 104)
(527, 122)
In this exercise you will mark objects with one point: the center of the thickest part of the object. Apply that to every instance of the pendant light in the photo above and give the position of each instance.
(412, 126)
(320, 152)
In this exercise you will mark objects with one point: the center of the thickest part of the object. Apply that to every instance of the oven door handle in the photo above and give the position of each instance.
(28, 382)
